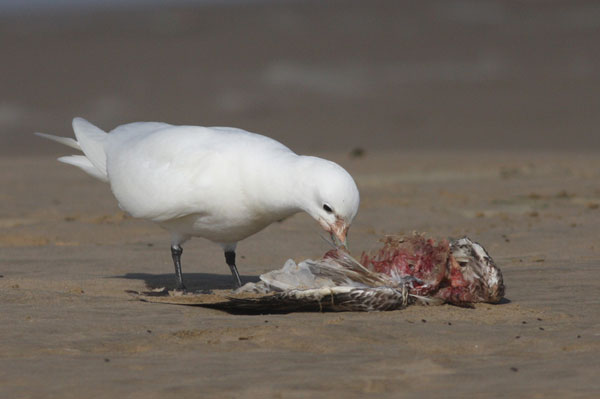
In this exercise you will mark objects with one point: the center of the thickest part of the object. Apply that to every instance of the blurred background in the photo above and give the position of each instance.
(317, 75)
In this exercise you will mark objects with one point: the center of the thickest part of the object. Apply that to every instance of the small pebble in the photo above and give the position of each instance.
(243, 338)
(424, 321)
(517, 337)
(579, 336)
(266, 321)
(523, 322)
(539, 319)
(514, 369)
(149, 331)
(449, 323)
(541, 328)
(106, 360)
(357, 152)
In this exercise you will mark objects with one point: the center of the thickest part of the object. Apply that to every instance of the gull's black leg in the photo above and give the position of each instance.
(230, 259)
(176, 252)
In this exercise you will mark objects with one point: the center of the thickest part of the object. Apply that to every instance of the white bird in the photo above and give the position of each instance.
(220, 183)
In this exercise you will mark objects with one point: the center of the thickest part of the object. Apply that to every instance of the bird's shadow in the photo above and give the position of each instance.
(192, 281)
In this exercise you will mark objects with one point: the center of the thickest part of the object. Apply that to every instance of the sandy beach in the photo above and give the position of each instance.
(69, 327)
(485, 126)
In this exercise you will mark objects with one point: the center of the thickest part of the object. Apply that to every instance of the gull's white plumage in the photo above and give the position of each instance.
(223, 184)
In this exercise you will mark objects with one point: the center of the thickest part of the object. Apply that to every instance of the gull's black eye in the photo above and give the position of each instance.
(327, 208)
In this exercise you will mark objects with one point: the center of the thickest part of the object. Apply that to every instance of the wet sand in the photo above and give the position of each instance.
(476, 120)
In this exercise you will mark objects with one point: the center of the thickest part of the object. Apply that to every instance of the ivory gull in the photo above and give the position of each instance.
(220, 183)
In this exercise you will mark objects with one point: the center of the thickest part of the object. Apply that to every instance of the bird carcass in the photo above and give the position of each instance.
(403, 271)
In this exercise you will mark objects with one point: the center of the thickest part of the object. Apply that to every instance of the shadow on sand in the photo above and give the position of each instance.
(193, 281)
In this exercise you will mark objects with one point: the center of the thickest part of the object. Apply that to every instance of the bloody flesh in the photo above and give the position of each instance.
(439, 270)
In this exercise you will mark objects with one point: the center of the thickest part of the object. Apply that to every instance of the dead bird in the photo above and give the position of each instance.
(403, 271)
(460, 272)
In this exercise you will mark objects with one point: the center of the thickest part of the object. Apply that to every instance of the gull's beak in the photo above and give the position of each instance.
(339, 233)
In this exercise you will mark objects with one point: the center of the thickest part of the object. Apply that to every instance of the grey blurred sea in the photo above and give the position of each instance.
(317, 75)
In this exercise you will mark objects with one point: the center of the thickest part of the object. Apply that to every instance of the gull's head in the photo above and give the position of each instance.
(333, 197)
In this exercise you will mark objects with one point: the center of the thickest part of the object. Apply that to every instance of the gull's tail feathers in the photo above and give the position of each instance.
(83, 163)
(90, 140)
(68, 141)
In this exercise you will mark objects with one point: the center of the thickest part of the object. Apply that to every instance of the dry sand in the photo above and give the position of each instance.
(69, 328)
(439, 95)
